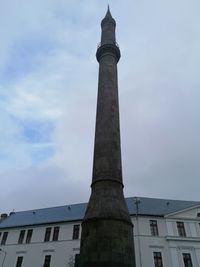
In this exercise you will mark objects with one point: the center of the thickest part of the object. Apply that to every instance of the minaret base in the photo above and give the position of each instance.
(108, 243)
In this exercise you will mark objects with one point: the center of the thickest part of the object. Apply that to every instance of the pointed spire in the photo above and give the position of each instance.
(108, 14)
(108, 17)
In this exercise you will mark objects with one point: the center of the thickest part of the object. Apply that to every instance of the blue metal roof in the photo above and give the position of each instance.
(46, 215)
(146, 206)
(158, 207)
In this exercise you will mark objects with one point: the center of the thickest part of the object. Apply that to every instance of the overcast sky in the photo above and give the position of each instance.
(48, 89)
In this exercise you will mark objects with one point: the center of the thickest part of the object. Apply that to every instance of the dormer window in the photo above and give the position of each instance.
(181, 229)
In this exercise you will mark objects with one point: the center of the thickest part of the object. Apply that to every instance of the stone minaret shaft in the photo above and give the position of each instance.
(107, 231)
(107, 152)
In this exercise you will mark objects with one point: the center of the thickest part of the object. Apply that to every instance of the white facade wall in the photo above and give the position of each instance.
(61, 251)
(168, 242)
(146, 244)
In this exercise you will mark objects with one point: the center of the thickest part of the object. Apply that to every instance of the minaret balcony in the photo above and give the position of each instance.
(111, 48)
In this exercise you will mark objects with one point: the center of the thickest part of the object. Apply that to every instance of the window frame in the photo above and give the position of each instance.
(157, 258)
(154, 227)
(4, 238)
(187, 256)
(21, 236)
(47, 236)
(181, 228)
(56, 231)
(29, 236)
(19, 261)
(76, 231)
(47, 261)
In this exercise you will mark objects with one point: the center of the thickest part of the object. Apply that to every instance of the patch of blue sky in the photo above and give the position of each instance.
(41, 153)
(25, 56)
(37, 131)
(3, 97)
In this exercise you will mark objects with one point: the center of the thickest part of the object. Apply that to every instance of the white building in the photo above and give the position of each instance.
(166, 234)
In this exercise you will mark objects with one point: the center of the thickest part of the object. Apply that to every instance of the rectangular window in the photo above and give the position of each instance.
(157, 256)
(4, 238)
(56, 233)
(47, 261)
(47, 234)
(19, 261)
(21, 237)
(181, 229)
(76, 231)
(187, 260)
(29, 235)
(154, 227)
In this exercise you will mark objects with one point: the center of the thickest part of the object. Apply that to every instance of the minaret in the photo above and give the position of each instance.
(107, 230)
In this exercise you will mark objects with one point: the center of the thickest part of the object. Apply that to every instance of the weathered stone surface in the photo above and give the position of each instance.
(107, 152)
(107, 201)
(107, 231)
(114, 246)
